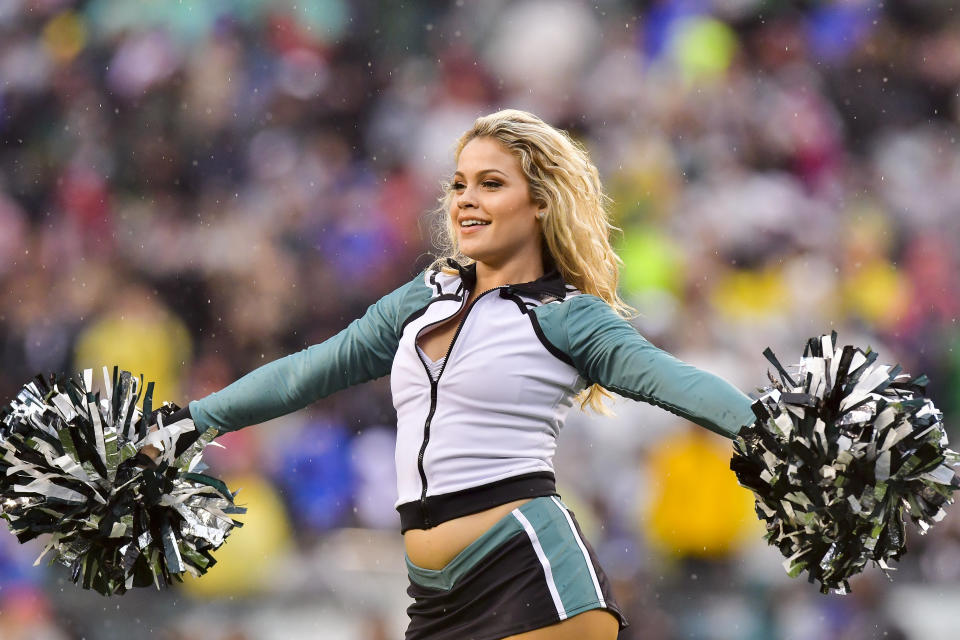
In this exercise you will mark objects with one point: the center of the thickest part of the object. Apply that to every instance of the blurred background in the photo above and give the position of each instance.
(192, 189)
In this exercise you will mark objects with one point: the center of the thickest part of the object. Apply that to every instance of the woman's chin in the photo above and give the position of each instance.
(472, 251)
(489, 258)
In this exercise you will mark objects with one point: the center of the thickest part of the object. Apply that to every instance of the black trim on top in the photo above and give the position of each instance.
(468, 273)
(419, 312)
(549, 286)
(529, 312)
(433, 281)
(430, 511)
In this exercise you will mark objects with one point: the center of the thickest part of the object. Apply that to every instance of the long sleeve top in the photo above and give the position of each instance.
(480, 428)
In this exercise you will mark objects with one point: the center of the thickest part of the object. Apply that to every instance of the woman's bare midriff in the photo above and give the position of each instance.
(434, 548)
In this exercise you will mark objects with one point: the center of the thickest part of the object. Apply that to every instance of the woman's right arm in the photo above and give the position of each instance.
(361, 352)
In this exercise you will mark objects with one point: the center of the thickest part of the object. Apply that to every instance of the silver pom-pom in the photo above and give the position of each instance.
(70, 468)
(842, 449)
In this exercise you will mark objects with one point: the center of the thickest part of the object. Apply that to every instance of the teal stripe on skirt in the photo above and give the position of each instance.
(573, 575)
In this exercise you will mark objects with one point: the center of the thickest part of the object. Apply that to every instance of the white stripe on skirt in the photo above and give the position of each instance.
(586, 556)
(548, 572)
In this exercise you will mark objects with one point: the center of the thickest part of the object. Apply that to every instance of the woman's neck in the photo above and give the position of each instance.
(489, 276)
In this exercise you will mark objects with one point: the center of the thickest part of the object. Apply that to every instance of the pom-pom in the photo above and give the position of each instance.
(70, 468)
(841, 450)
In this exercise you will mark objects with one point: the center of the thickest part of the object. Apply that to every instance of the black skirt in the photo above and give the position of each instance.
(532, 569)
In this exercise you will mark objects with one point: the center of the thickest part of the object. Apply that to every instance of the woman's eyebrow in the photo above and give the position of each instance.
(481, 172)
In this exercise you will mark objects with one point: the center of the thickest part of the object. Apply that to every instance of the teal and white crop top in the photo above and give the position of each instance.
(482, 430)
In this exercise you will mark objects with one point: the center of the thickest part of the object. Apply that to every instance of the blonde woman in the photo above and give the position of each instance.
(488, 350)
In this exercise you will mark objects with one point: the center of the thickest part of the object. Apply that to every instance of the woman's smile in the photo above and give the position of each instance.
(472, 225)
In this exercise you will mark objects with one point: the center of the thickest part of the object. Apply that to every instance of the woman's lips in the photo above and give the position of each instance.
(472, 229)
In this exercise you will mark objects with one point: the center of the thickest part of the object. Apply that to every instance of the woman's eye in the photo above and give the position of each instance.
(489, 184)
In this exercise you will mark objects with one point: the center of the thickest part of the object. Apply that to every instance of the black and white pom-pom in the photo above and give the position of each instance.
(841, 450)
(69, 468)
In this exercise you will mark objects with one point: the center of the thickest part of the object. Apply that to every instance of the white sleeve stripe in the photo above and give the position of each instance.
(583, 549)
(547, 570)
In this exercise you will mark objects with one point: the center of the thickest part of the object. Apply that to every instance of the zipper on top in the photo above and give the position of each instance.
(433, 401)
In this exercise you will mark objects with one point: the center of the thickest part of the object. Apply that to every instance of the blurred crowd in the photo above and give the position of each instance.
(189, 190)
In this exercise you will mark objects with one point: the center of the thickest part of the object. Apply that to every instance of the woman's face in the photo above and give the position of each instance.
(490, 189)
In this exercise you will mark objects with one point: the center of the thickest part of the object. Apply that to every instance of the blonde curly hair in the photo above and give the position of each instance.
(577, 226)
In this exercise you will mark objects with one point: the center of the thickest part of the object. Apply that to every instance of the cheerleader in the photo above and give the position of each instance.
(488, 349)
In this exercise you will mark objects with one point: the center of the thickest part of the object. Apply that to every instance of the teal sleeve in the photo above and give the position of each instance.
(361, 352)
(609, 351)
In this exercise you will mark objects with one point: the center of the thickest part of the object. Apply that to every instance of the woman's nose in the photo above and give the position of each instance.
(466, 198)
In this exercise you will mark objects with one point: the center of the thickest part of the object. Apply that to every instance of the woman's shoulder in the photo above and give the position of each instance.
(404, 301)
(579, 318)
(574, 302)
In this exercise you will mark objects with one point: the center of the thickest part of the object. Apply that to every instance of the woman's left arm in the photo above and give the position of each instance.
(609, 351)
